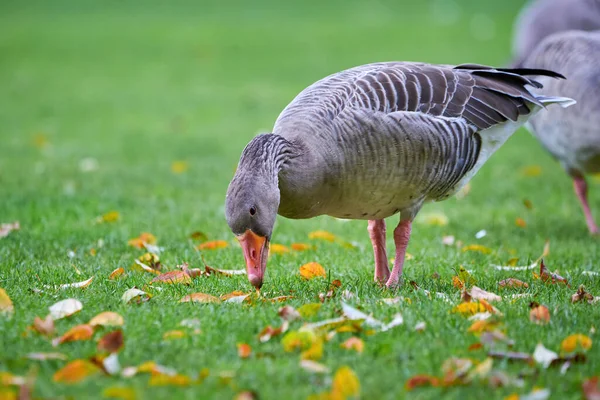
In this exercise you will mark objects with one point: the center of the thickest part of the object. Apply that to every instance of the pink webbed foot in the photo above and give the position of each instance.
(377, 235)
(580, 186)
(401, 238)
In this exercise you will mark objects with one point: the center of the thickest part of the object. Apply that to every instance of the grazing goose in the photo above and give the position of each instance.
(572, 135)
(374, 141)
(541, 18)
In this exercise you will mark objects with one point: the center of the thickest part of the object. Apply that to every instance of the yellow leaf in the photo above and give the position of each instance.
(301, 246)
(298, 340)
(323, 235)
(353, 343)
(119, 392)
(140, 241)
(169, 380)
(477, 247)
(212, 245)
(314, 352)
(486, 325)
(312, 270)
(172, 277)
(78, 332)
(470, 308)
(244, 350)
(107, 318)
(434, 219)
(116, 273)
(532, 170)
(81, 285)
(110, 216)
(199, 298)
(278, 248)
(345, 384)
(174, 334)
(309, 310)
(512, 396)
(75, 371)
(179, 167)
(6, 305)
(576, 342)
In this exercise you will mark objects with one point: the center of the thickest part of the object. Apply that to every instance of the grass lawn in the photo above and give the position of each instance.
(99, 99)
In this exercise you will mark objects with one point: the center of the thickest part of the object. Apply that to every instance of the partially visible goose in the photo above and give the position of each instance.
(572, 135)
(541, 18)
(374, 141)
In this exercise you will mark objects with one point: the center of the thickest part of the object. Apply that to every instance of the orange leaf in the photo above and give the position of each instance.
(421, 380)
(244, 350)
(550, 277)
(142, 240)
(457, 283)
(324, 235)
(301, 246)
(75, 371)
(212, 245)
(234, 294)
(116, 273)
(512, 283)
(112, 342)
(278, 248)
(353, 343)
(172, 277)
(576, 342)
(483, 326)
(107, 318)
(539, 314)
(475, 346)
(44, 326)
(199, 298)
(78, 332)
(520, 222)
(591, 388)
(269, 331)
(312, 270)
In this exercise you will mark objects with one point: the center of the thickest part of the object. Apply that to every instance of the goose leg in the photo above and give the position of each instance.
(377, 235)
(401, 237)
(581, 190)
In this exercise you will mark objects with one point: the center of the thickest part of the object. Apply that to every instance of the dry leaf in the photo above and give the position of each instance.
(148, 262)
(46, 356)
(582, 295)
(135, 294)
(107, 318)
(576, 342)
(246, 395)
(225, 272)
(520, 222)
(169, 380)
(421, 380)
(484, 325)
(353, 343)
(309, 310)
(267, 333)
(112, 342)
(512, 283)
(78, 332)
(212, 245)
(44, 326)
(511, 356)
(591, 388)
(312, 270)
(420, 326)
(433, 219)
(301, 246)
(314, 352)
(197, 235)
(119, 392)
(172, 277)
(6, 305)
(478, 248)
(275, 248)
(7, 228)
(244, 350)
(543, 356)
(479, 294)
(116, 273)
(289, 313)
(82, 284)
(199, 298)
(179, 167)
(323, 235)
(549, 277)
(141, 241)
(65, 308)
(111, 216)
(355, 314)
(75, 371)
(173, 334)
(345, 384)
(470, 308)
(448, 240)
(539, 314)
(314, 366)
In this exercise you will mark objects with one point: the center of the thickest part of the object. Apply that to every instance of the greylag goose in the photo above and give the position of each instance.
(572, 135)
(541, 18)
(373, 141)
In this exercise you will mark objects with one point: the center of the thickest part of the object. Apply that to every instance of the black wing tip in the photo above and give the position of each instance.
(517, 69)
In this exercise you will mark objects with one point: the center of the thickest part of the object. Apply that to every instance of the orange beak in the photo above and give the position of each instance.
(256, 252)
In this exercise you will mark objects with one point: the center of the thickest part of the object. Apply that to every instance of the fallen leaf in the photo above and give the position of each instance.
(76, 333)
(173, 334)
(266, 334)
(135, 294)
(7, 228)
(545, 252)
(543, 356)
(275, 248)
(244, 350)
(355, 314)
(107, 318)
(116, 273)
(345, 384)
(539, 314)
(148, 262)
(323, 235)
(75, 371)
(470, 308)
(433, 219)
(173, 277)
(111, 216)
(197, 235)
(6, 305)
(169, 380)
(477, 247)
(353, 343)
(82, 284)
(421, 380)
(481, 370)
(8, 379)
(112, 342)
(119, 392)
(289, 313)
(44, 326)
(199, 298)
(485, 325)
(65, 308)
(179, 167)
(511, 356)
(582, 295)
(309, 310)
(420, 326)
(531, 170)
(591, 388)
(479, 294)
(301, 246)
(448, 240)
(314, 366)
(512, 283)
(312, 270)
(225, 272)
(46, 356)
(298, 340)
(520, 222)
(576, 342)
(141, 241)
(314, 352)
(547, 276)
(212, 245)
(246, 395)
(528, 204)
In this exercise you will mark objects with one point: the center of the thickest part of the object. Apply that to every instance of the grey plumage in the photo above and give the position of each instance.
(541, 18)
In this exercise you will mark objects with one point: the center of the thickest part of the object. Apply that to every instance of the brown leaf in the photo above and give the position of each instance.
(512, 283)
(312, 270)
(582, 295)
(289, 313)
(421, 380)
(511, 356)
(107, 318)
(520, 222)
(44, 326)
(244, 350)
(76, 333)
(112, 342)
(591, 388)
(199, 298)
(116, 273)
(212, 245)
(6, 305)
(237, 296)
(550, 277)
(225, 272)
(269, 332)
(539, 314)
(75, 371)
(200, 236)
(353, 343)
(172, 277)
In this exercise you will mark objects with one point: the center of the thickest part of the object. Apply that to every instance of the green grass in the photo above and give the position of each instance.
(137, 86)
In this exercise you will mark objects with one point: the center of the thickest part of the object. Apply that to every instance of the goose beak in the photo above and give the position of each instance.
(256, 252)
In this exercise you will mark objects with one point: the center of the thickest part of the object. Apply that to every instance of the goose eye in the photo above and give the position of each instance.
(252, 210)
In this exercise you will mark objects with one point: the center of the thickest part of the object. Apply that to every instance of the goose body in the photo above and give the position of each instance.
(373, 141)
(571, 135)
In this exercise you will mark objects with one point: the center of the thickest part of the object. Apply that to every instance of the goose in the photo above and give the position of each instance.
(373, 141)
(572, 135)
(541, 18)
